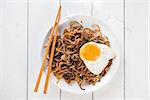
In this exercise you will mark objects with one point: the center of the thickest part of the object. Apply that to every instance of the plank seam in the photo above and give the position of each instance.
(124, 50)
(59, 94)
(27, 45)
(148, 92)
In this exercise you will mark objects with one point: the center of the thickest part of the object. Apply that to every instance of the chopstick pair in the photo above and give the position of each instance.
(52, 54)
(54, 30)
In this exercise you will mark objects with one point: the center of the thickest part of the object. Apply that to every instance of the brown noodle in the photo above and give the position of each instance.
(67, 63)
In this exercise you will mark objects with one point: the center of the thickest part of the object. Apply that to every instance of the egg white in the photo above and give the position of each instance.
(97, 66)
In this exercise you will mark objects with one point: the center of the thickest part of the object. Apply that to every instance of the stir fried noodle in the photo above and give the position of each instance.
(67, 63)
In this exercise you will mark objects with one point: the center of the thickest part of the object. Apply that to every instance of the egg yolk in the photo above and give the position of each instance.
(90, 52)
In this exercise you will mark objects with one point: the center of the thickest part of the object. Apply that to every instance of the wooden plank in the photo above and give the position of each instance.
(70, 8)
(41, 16)
(136, 17)
(13, 50)
(111, 13)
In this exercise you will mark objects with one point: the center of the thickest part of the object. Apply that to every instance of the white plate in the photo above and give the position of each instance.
(87, 22)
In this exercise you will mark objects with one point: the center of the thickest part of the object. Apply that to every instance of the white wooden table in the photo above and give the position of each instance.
(24, 23)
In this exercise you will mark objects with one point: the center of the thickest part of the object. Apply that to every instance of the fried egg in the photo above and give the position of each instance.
(96, 56)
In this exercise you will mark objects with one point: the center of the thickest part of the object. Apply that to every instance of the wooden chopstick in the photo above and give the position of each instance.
(47, 51)
(51, 55)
